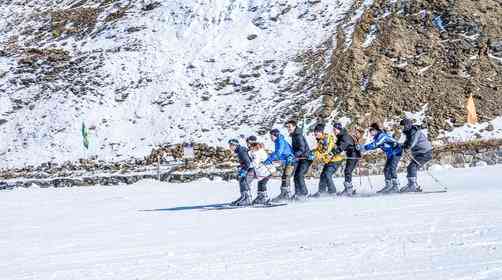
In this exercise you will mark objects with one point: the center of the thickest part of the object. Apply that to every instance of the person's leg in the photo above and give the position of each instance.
(388, 176)
(322, 180)
(411, 170)
(262, 197)
(393, 173)
(245, 186)
(330, 171)
(417, 161)
(262, 184)
(287, 173)
(350, 166)
(299, 177)
(393, 166)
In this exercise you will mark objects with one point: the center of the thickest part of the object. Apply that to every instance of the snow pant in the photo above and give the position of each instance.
(245, 181)
(418, 161)
(287, 173)
(350, 165)
(326, 180)
(262, 184)
(353, 158)
(390, 169)
(302, 167)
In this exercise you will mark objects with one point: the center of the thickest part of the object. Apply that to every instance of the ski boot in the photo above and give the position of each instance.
(299, 198)
(261, 198)
(233, 203)
(283, 196)
(348, 190)
(318, 195)
(395, 186)
(245, 199)
(388, 186)
(411, 187)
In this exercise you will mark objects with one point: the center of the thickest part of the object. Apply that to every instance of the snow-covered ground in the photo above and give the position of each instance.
(104, 233)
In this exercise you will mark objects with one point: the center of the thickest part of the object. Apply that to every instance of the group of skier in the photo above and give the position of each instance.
(331, 150)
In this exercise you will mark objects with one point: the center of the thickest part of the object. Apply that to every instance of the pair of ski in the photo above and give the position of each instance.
(230, 206)
(420, 191)
(355, 195)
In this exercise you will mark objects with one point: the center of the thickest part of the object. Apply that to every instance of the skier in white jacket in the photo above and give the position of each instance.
(263, 172)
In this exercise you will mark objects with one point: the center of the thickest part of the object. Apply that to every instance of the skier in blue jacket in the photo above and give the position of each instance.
(283, 152)
(393, 152)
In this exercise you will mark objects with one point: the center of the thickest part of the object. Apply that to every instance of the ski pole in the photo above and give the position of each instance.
(429, 173)
(369, 180)
(360, 175)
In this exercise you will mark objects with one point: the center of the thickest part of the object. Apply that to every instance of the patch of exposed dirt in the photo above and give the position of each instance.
(73, 21)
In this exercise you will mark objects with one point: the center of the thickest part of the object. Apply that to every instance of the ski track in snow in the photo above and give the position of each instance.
(104, 233)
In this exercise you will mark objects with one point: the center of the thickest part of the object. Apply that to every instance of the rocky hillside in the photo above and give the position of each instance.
(141, 74)
(409, 54)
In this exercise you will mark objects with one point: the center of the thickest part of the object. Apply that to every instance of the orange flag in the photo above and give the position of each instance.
(472, 116)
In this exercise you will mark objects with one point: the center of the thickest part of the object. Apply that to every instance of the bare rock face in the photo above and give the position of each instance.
(422, 52)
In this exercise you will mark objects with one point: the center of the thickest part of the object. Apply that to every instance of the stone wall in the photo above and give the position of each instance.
(470, 154)
(481, 153)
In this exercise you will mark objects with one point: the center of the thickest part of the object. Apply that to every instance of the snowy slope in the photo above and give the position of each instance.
(102, 233)
(185, 70)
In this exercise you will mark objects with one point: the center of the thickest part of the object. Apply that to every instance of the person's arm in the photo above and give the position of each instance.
(376, 143)
(409, 138)
(302, 150)
(345, 142)
(414, 140)
(246, 160)
(276, 155)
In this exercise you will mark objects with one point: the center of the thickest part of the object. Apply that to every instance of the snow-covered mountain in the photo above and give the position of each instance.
(142, 73)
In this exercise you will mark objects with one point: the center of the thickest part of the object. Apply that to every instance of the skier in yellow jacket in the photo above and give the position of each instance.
(326, 143)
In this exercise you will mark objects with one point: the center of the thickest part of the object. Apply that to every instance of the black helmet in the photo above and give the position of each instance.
(234, 142)
(319, 128)
(252, 139)
(275, 132)
(406, 123)
(375, 126)
(338, 125)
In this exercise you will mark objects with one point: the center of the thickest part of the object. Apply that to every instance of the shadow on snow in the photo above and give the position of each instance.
(185, 208)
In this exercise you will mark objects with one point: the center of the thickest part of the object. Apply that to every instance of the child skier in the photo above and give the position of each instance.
(421, 152)
(245, 173)
(263, 173)
(326, 143)
(392, 150)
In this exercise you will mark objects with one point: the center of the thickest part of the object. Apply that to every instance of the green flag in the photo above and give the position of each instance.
(85, 136)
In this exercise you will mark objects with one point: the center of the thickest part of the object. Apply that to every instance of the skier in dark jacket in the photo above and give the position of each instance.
(245, 172)
(392, 150)
(345, 143)
(303, 157)
(421, 152)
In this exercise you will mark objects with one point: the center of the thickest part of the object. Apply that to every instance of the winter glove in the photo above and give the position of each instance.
(311, 156)
(242, 173)
(361, 148)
